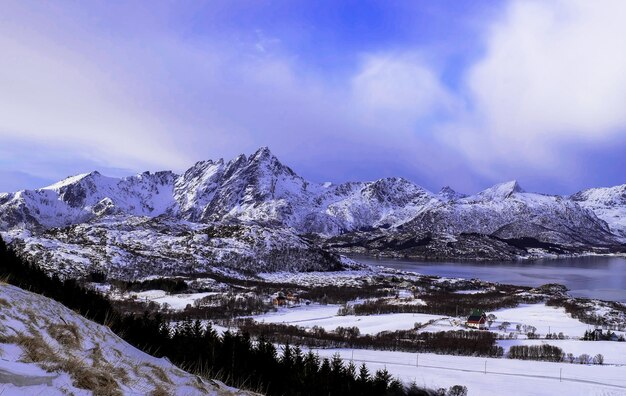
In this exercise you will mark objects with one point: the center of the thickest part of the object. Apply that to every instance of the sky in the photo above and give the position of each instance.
(463, 93)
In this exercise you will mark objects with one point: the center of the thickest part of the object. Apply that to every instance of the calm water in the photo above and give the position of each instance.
(594, 277)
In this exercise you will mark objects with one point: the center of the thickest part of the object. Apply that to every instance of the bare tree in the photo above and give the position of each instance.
(598, 359)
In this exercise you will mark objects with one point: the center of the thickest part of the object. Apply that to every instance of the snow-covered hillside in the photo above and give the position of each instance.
(507, 211)
(163, 221)
(134, 247)
(609, 204)
(47, 349)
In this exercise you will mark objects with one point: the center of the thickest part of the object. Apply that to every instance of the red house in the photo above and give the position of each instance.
(477, 320)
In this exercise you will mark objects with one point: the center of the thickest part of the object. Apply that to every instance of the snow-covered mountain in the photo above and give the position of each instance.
(256, 189)
(507, 211)
(609, 204)
(255, 211)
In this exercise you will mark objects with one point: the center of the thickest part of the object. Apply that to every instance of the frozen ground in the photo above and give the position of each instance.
(544, 318)
(326, 316)
(175, 301)
(502, 377)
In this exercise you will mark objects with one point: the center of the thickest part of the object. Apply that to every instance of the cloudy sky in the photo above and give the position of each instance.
(460, 93)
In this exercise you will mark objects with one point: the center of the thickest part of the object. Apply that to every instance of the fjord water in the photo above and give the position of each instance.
(599, 277)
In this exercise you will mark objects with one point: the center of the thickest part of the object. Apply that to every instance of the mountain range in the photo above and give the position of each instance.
(254, 214)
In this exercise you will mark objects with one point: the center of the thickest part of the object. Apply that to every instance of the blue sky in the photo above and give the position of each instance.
(459, 93)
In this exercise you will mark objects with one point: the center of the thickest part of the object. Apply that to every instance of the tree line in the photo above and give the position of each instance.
(444, 303)
(543, 352)
(454, 342)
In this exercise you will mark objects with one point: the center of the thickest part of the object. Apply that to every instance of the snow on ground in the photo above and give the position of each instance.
(175, 301)
(47, 349)
(544, 318)
(470, 291)
(502, 377)
(326, 316)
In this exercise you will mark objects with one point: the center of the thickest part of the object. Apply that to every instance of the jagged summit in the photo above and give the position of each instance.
(604, 195)
(262, 152)
(448, 194)
(73, 180)
(502, 190)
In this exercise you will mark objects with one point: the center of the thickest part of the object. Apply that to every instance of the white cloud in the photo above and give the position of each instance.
(552, 74)
(401, 88)
(53, 94)
(146, 96)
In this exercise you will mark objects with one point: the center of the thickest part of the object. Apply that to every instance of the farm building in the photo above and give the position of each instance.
(477, 320)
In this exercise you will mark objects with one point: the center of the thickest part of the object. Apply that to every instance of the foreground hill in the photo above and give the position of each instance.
(46, 348)
(254, 214)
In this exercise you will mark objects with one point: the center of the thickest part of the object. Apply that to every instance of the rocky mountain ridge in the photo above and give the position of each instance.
(256, 214)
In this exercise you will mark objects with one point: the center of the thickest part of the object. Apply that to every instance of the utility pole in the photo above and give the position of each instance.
(485, 367)
(417, 360)
(561, 375)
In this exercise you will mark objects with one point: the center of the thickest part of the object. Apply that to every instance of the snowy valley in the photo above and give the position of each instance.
(247, 246)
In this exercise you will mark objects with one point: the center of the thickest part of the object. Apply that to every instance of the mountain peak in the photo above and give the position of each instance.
(262, 152)
(72, 180)
(450, 194)
(513, 186)
(502, 190)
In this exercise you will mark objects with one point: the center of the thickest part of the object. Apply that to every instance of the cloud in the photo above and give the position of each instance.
(551, 75)
(131, 87)
(399, 87)
(164, 101)
(53, 94)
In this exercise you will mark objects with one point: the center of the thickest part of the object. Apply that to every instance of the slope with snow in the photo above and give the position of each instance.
(134, 247)
(609, 204)
(48, 349)
(507, 211)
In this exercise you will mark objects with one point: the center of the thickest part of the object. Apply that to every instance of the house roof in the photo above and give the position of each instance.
(476, 318)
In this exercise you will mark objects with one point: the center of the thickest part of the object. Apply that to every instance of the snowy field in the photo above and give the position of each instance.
(544, 318)
(326, 316)
(502, 377)
(175, 301)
